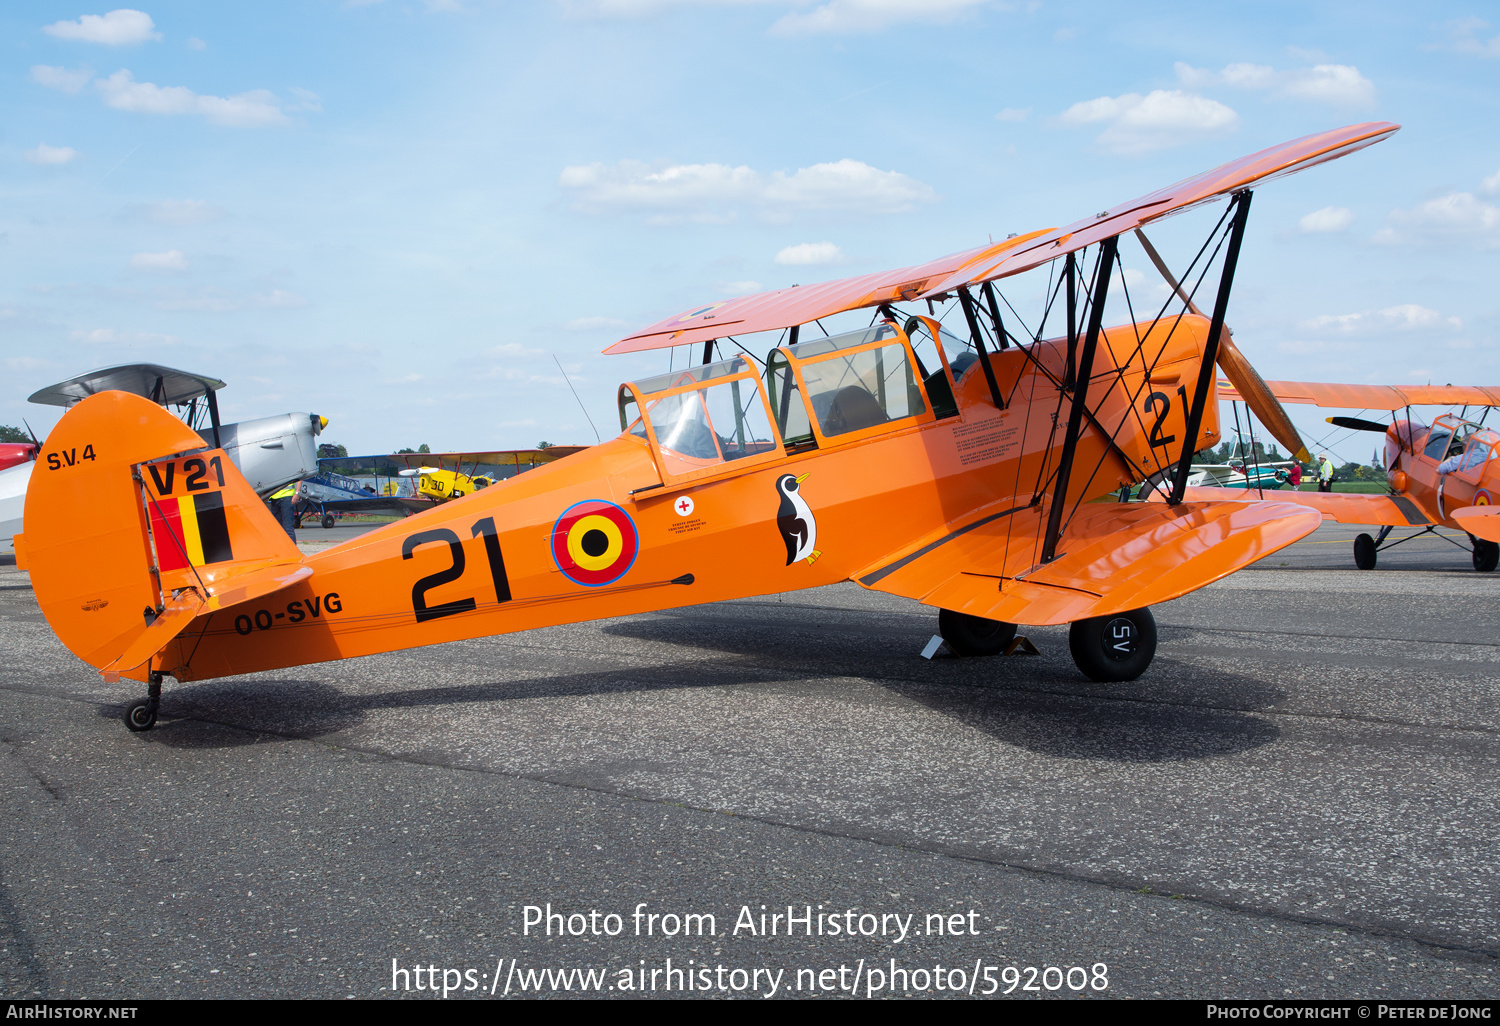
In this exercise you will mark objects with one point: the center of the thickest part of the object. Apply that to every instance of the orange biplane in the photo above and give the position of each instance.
(965, 474)
(1443, 475)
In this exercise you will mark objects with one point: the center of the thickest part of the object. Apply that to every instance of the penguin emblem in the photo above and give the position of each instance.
(799, 529)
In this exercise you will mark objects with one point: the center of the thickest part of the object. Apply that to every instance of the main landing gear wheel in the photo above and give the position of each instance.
(327, 521)
(974, 635)
(1364, 553)
(141, 714)
(1114, 648)
(1486, 555)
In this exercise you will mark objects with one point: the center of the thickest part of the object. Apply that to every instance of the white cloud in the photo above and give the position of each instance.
(61, 78)
(1014, 114)
(208, 300)
(44, 154)
(840, 16)
(1490, 185)
(1464, 36)
(109, 336)
(214, 300)
(1338, 84)
(1327, 220)
(280, 299)
(171, 260)
(196, 44)
(810, 254)
(1162, 118)
(182, 212)
(1458, 216)
(592, 324)
(117, 28)
(513, 349)
(309, 99)
(431, 5)
(1405, 317)
(256, 107)
(713, 193)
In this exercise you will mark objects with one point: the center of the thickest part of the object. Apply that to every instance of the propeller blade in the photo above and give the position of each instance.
(1355, 424)
(1252, 387)
(32, 433)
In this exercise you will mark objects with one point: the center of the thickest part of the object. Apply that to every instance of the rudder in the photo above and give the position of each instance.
(125, 510)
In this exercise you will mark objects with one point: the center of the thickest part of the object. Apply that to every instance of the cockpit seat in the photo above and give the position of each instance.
(853, 409)
(961, 363)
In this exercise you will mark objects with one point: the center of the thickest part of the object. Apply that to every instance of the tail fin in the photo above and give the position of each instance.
(122, 530)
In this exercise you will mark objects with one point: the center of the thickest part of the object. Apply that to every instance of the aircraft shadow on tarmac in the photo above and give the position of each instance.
(1176, 712)
(232, 712)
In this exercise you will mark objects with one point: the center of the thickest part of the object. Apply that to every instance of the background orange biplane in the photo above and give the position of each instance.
(1446, 474)
(963, 473)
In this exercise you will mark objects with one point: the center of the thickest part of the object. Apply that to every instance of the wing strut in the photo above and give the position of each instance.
(1070, 271)
(984, 358)
(1100, 293)
(1211, 347)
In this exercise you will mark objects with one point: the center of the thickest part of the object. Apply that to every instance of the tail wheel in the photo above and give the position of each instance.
(1486, 555)
(140, 715)
(1114, 648)
(327, 520)
(974, 635)
(1364, 553)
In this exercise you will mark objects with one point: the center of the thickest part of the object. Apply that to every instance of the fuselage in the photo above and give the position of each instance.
(659, 517)
(1469, 454)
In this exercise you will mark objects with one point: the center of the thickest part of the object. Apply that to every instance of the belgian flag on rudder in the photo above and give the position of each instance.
(190, 530)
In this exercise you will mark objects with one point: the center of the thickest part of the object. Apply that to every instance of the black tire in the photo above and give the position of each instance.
(1114, 648)
(974, 635)
(1486, 555)
(1364, 552)
(140, 715)
(327, 521)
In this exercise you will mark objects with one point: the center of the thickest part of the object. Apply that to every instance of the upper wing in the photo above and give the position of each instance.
(1114, 557)
(1344, 507)
(1374, 397)
(1267, 165)
(801, 304)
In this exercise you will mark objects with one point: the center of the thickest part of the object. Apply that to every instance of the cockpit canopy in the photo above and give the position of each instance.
(823, 391)
(1460, 445)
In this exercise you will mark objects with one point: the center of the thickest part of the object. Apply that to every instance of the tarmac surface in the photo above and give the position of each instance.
(1297, 800)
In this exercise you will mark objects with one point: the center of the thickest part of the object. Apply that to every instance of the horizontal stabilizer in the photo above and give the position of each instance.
(1480, 521)
(1343, 507)
(230, 589)
(169, 623)
(1113, 557)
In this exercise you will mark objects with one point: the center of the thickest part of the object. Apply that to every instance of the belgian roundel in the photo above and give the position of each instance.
(594, 543)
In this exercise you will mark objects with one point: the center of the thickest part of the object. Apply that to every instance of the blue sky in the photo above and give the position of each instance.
(403, 215)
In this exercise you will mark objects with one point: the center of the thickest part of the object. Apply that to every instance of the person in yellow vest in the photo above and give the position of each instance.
(282, 503)
(1325, 474)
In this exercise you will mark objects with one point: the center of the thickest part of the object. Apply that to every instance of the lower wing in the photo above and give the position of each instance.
(1480, 521)
(1112, 557)
(1344, 507)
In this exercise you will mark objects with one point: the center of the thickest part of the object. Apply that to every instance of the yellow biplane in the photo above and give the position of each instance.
(961, 472)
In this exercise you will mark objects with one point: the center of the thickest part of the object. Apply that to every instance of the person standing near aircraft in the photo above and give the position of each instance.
(1325, 473)
(1294, 476)
(282, 502)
